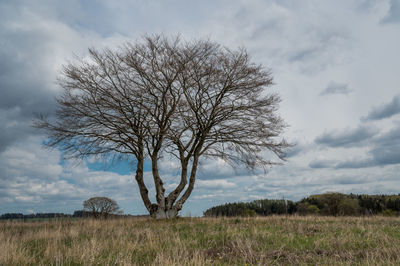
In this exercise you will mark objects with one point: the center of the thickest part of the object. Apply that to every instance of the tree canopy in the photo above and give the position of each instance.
(163, 96)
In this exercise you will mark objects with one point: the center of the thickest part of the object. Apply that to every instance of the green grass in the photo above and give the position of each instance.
(276, 240)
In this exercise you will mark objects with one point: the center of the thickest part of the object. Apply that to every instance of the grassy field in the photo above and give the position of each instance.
(203, 241)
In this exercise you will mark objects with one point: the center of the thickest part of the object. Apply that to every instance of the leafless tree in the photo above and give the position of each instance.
(165, 96)
(101, 207)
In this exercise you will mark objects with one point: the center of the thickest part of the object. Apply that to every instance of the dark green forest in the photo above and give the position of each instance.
(331, 204)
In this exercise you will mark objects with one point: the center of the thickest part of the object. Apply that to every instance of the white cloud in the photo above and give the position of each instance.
(347, 137)
(27, 159)
(215, 184)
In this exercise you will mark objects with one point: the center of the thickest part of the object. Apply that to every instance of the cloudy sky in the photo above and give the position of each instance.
(335, 64)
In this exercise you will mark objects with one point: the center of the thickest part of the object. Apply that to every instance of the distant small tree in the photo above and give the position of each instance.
(101, 207)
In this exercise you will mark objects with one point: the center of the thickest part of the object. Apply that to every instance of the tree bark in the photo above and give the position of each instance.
(177, 191)
(158, 182)
(142, 187)
(192, 179)
(166, 213)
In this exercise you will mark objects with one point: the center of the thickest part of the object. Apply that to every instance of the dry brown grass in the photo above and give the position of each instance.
(203, 241)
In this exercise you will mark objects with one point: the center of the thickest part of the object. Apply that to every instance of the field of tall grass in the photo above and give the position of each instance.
(202, 241)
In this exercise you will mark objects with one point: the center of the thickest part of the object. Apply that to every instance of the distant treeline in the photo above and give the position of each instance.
(336, 204)
(7, 216)
(261, 207)
(76, 214)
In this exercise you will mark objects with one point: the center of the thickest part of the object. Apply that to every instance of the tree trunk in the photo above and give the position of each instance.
(175, 194)
(192, 179)
(142, 187)
(165, 214)
(158, 182)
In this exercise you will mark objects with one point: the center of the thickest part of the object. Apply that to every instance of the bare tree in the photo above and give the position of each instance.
(162, 96)
(101, 207)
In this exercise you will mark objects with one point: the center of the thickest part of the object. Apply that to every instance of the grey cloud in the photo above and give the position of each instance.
(79, 15)
(385, 151)
(356, 164)
(24, 69)
(385, 110)
(322, 164)
(299, 147)
(295, 150)
(27, 77)
(303, 55)
(309, 46)
(350, 180)
(366, 5)
(336, 88)
(387, 148)
(347, 137)
(108, 18)
(123, 17)
(393, 15)
(316, 55)
(13, 127)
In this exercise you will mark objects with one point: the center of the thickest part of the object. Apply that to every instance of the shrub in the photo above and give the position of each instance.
(348, 206)
(249, 213)
(305, 208)
(388, 212)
